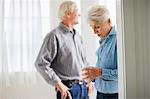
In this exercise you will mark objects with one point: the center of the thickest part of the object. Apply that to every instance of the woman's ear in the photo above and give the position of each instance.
(109, 21)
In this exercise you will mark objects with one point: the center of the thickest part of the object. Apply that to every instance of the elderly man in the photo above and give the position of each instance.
(62, 56)
(105, 73)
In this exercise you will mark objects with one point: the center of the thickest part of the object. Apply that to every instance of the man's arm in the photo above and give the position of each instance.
(84, 54)
(45, 57)
(43, 62)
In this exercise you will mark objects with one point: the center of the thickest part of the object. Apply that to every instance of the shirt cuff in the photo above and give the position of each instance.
(56, 80)
(106, 74)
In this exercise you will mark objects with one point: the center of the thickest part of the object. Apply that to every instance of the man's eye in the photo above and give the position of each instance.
(96, 27)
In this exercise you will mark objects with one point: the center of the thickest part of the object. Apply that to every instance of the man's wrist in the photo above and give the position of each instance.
(58, 82)
(98, 72)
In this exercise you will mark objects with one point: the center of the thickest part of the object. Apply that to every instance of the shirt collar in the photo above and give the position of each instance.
(66, 29)
(112, 32)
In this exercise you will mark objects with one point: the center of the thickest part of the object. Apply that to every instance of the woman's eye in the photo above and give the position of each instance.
(96, 27)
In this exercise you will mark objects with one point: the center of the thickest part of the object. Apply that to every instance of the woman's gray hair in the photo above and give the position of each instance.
(98, 13)
(65, 7)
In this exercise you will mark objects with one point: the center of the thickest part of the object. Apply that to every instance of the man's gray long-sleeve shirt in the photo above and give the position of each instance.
(61, 56)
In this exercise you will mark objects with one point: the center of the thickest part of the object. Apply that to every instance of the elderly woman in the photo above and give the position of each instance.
(105, 74)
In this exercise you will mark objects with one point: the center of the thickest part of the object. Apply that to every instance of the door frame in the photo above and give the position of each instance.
(121, 49)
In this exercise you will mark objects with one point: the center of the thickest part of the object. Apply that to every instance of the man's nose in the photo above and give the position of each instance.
(79, 14)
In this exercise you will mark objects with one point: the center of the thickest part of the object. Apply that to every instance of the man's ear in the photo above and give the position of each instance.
(68, 15)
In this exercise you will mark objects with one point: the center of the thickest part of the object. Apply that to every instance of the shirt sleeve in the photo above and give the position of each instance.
(109, 74)
(84, 55)
(45, 57)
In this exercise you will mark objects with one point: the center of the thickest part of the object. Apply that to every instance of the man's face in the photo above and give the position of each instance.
(74, 16)
(101, 29)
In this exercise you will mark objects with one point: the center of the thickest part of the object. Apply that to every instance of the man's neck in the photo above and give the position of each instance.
(69, 25)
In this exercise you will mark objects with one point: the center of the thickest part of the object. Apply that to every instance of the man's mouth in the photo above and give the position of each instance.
(99, 34)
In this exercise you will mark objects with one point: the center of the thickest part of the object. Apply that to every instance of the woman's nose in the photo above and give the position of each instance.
(95, 31)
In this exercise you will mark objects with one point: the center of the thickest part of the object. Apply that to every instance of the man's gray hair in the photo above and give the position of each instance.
(98, 13)
(65, 7)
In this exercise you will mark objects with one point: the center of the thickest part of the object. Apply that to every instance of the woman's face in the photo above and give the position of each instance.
(101, 29)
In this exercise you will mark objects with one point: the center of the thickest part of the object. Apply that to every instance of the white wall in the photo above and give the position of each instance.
(40, 90)
(137, 54)
(29, 92)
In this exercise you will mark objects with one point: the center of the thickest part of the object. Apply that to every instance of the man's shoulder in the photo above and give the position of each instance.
(54, 32)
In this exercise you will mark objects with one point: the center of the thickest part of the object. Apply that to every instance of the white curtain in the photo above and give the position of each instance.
(24, 24)
(21, 35)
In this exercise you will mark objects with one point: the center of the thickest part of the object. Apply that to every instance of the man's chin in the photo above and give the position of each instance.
(76, 23)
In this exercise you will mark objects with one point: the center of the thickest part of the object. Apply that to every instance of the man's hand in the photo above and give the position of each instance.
(64, 90)
(90, 73)
(90, 87)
